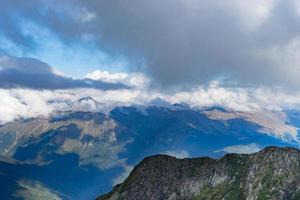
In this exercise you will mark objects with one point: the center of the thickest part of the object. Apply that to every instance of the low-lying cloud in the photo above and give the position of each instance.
(16, 103)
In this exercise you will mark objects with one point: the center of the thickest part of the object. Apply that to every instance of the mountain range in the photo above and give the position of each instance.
(81, 153)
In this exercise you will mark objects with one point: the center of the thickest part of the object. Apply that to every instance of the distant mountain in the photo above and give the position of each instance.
(81, 154)
(273, 173)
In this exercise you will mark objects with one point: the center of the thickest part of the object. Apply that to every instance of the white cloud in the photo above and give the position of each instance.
(32, 190)
(177, 154)
(26, 103)
(138, 80)
(242, 99)
(10, 107)
(16, 103)
(241, 149)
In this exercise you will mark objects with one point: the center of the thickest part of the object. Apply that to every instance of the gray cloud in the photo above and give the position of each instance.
(31, 190)
(185, 42)
(31, 73)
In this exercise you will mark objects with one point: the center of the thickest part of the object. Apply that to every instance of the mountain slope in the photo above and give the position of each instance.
(95, 151)
(273, 173)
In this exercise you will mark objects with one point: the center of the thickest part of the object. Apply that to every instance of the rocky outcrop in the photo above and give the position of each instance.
(273, 173)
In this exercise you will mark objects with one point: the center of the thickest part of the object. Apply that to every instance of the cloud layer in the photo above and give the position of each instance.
(16, 103)
(179, 42)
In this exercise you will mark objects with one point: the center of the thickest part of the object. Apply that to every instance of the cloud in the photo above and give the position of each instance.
(17, 102)
(178, 43)
(31, 73)
(132, 79)
(32, 190)
(241, 149)
(242, 99)
(177, 154)
(25, 103)
(191, 49)
(10, 107)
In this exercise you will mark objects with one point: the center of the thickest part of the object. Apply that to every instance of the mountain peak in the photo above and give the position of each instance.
(87, 98)
(86, 104)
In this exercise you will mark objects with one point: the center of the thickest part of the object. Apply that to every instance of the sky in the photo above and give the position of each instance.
(237, 53)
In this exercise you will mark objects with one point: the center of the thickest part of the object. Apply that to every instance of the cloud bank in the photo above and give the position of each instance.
(16, 103)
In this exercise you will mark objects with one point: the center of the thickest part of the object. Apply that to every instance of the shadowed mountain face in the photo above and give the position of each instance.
(79, 155)
(273, 173)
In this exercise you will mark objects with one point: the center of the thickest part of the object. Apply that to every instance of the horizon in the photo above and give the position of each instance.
(115, 53)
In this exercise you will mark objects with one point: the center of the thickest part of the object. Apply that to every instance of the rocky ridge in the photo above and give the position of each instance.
(273, 173)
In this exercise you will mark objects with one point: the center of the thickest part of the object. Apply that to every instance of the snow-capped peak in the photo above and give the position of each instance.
(87, 98)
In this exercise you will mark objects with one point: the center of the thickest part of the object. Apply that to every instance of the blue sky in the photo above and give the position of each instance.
(74, 59)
